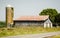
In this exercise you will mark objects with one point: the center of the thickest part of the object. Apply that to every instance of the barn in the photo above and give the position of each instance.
(42, 20)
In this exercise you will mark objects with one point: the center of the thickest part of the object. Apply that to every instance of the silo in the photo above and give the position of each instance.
(9, 15)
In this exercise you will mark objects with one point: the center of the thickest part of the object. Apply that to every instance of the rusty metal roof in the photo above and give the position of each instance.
(37, 18)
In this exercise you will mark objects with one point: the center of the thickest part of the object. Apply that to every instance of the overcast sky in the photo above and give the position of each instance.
(27, 7)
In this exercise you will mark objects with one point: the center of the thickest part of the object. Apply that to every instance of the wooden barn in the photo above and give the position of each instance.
(42, 20)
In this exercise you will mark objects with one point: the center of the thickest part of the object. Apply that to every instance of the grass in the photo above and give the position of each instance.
(26, 30)
(56, 36)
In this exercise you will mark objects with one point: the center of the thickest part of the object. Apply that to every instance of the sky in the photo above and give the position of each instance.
(27, 7)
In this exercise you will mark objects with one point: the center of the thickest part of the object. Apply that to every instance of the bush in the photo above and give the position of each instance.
(2, 24)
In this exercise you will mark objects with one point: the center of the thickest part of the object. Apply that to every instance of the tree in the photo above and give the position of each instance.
(57, 19)
(51, 12)
(2, 24)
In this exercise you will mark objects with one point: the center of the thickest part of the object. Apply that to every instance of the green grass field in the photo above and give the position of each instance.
(26, 30)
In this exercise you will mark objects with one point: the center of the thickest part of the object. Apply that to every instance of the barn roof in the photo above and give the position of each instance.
(30, 18)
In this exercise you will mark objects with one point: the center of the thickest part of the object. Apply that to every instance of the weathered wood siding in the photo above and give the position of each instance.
(28, 23)
(48, 23)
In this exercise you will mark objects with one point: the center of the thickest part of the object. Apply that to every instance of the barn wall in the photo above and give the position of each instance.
(29, 23)
(47, 23)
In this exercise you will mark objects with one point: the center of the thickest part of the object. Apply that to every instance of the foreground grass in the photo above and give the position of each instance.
(25, 30)
(56, 36)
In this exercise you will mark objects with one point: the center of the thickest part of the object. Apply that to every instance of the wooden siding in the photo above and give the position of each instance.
(28, 23)
(48, 23)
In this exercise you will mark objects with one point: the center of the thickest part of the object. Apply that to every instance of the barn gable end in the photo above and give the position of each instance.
(48, 23)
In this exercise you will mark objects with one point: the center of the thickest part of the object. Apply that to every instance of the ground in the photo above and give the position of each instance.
(42, 35)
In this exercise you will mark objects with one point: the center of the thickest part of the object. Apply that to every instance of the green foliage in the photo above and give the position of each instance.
(57, 18)
(51, 12)
(2, 24)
